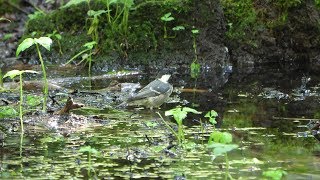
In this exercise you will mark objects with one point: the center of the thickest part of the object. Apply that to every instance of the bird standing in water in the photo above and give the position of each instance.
(152, 95)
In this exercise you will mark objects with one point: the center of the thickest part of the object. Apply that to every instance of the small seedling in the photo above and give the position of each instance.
(13, 74)
(166, 18)
(46, 43)
(179, 114)
(212, 115)
(90, 151)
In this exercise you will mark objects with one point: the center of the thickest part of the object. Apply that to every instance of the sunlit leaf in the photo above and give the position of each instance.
(12, 73)
(24, 45)
(45, 42)
(212, 116)
(220, 137)
(4, 19)
(58, 36)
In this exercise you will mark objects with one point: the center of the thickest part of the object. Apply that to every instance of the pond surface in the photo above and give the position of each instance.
(265, 111)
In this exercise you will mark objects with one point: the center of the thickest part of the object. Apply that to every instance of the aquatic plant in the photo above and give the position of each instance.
(46, 43)
(12, 74)
(179, 114)
(219, 142)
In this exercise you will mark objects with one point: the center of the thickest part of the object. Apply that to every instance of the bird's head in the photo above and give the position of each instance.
(165, 77)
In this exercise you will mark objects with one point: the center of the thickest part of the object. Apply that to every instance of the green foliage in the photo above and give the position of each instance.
(7, 112)
(4, 19)
(33, 100)
(241, 17)
(274, 174)
(167, 17)
(317, 2)
(212, 116)
(74, 2)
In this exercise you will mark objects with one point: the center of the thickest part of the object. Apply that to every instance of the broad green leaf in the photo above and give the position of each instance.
(88, 149)
(195, 70)
(35, 15)
(211, 113)
(178, 28)
(12, 73)
(44, 41)
(24, 45)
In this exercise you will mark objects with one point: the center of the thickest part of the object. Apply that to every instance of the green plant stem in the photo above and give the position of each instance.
(45, 80)
(169, 127)
(60, 50)
(165, 31)
(180, 133)
(20, 105)
(195, 49)
(1, 81)
(77, 55)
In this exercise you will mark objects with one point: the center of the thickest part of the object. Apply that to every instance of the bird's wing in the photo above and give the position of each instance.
(154, 88)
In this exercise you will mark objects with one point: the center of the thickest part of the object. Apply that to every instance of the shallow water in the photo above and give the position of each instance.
(268, 128)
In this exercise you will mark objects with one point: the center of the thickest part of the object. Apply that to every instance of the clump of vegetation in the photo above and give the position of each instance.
(46, 43)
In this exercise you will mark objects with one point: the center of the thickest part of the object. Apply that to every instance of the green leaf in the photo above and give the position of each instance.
(178, 28)
(24, 45)
(12, 73)
(187, 109)
(220, 149)
(195, 70)
(58, 36)
(220, 137)
(96, 13)
(44, 41)
(33, 100)
(212, 116)
(88, 149)
(7, 112)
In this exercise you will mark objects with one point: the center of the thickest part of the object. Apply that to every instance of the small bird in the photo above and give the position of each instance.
(152, 95)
